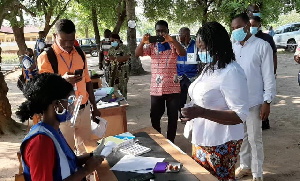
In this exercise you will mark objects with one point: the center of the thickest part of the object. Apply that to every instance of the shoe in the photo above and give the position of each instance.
(258, 179)
(240, 173)
(265, 124)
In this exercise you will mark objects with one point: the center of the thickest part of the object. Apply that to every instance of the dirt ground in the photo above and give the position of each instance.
(281, 142)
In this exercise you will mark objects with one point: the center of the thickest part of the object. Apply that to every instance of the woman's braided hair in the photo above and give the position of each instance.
(217, 42)
(40, 92)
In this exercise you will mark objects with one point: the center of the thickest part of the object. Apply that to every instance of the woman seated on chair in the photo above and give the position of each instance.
(45, 152)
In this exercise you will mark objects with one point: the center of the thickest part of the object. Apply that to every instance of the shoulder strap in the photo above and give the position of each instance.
(52, 59)
(78, 49)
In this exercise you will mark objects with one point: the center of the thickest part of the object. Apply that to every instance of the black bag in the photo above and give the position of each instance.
(53, 59)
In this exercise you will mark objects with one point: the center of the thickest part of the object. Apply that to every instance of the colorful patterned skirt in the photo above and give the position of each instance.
(218, 160)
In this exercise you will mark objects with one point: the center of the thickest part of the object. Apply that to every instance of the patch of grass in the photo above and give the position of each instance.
(10, 58)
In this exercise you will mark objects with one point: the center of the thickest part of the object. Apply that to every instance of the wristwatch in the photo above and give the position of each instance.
(268, 101)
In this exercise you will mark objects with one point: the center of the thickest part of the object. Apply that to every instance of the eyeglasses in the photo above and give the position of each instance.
(70, 100)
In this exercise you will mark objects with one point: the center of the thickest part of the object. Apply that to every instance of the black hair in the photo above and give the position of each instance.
(184, 29)
(243, 16)
(107, 31)
(256, 18)
(41, 32)
(29, 50)
(217, 42)
(162, 23)
(65, 26)
(115, 36)
(40, 92)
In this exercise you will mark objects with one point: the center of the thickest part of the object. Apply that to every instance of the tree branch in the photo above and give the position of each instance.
(26, 9)
(60, 13)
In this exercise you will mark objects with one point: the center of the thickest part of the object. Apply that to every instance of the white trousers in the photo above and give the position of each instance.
(252, 152)
(81, 132)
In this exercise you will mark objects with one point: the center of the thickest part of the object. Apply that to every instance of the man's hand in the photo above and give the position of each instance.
(264, 111)
(145, 39)
(71, 78)
(168, 38)
(95, 113)
(190, 113)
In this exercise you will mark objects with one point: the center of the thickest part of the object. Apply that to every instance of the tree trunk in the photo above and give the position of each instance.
(20, 39)
(6, 123)
(121, 17)
(136, 65)
(86, 32)
(96, 30)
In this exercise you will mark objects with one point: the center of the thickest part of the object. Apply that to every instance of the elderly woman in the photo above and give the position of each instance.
(45, 152)
(219, 104)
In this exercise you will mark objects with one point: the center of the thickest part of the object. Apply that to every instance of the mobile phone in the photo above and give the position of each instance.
(78, 72)
(142, 177)
(153, 39)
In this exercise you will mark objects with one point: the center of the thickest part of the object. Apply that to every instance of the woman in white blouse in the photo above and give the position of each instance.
(219, 104)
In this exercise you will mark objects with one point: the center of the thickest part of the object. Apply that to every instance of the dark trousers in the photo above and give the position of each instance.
(158, 108)
(184, 85)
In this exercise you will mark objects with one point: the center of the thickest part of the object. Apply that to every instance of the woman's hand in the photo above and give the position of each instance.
(190, 113)
(93, 163)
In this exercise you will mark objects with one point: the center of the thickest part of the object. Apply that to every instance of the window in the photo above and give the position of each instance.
(279, 31)
(296, 27)
(287, 29)
(85, 42)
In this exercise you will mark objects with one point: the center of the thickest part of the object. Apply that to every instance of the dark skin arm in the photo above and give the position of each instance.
(139, 48)
(275, 62)
(95, 112)
(119, 58)
(179, 48)
(222, 117)
(91, 164)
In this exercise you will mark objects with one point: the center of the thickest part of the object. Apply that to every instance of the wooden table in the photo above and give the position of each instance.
(198, 171)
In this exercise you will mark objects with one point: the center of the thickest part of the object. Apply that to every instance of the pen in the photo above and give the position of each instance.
(143, 169)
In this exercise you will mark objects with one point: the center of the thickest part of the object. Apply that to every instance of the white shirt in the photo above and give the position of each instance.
(221, 89)
(256, 58)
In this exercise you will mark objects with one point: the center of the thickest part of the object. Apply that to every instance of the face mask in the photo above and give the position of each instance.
(114, 44)
(205, 57)
(253, 30)
(64, 115)
(256, 14)
(239, 34)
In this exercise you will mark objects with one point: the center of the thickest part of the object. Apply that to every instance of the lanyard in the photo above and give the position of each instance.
(69, 67)
(158, 58)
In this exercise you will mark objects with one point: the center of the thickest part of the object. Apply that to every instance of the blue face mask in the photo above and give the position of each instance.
(253, 30)
(114, 44)
(256, 14)
(205, 57)
(163, 47)
(239, 34)
(64, 115)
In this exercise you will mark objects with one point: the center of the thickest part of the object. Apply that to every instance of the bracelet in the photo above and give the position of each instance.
(91, 154)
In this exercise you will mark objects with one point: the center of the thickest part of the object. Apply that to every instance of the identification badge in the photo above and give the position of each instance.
(158, 79)
(176, 80)
(191, 57)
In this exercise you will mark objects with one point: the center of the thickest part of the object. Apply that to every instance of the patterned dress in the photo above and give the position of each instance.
(118, 74)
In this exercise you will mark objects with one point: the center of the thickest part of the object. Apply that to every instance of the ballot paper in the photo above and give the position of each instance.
(137, 164)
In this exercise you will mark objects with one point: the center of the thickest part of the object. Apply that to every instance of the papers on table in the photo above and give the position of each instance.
(137, 164)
